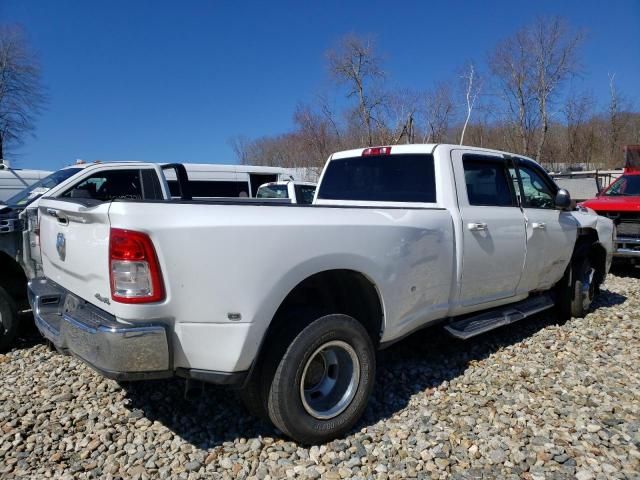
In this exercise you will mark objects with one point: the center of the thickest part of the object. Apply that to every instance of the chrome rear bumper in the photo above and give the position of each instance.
(116, 350)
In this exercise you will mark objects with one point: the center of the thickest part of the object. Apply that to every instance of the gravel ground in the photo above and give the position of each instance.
(534, 400)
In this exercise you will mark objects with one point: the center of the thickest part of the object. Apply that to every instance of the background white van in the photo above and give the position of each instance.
(13, 180)
(216, 181)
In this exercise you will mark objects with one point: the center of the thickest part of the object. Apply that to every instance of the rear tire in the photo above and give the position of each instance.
(8, 320)
(323, 381)
(255, 391)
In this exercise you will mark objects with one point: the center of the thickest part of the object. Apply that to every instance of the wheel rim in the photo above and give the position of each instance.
(330, 380)
(588, 288)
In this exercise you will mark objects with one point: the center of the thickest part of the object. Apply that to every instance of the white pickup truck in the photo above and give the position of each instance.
(289, 302)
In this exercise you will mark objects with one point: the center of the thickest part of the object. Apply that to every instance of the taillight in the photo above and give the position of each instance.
(33, 224)
(134, 270)
(376, 151)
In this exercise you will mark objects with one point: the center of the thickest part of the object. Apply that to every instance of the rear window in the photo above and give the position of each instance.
(383, 178)
(273, 191)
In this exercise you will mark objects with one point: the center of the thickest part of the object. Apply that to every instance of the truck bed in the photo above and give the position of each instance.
(239, 257)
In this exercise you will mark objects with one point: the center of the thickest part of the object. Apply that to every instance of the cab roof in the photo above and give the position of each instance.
(423, 148)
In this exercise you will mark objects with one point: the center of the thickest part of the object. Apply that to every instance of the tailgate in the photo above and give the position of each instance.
(74, 241)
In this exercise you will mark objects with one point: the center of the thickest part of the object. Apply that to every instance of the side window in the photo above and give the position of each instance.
(108, 185)
(305, 193)
(151, 185)
(218, 188)
(537, 193)
(618, 187)
(516, 184)
(487, 181)
(174, 188)
(212, 188)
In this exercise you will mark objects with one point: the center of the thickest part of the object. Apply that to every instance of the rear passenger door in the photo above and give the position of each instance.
(493, 228)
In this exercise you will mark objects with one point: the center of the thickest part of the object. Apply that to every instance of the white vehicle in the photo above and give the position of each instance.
(12, 180)
(215, 181)
(290, 302)
(13, 268)
(19, 232)
(297, 192)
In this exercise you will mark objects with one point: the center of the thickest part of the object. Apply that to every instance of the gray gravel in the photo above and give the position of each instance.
(534, 400)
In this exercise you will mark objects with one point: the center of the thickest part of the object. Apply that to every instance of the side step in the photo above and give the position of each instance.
(477, 324)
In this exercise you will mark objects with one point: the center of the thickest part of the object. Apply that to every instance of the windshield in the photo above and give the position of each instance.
(272, 191)
(626, 185)
(36, 190)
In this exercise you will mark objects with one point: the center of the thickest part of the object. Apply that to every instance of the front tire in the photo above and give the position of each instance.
(323, 381)
(8, 320)
(577, 289)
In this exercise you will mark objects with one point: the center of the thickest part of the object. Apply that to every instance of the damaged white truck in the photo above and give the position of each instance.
(290, 302)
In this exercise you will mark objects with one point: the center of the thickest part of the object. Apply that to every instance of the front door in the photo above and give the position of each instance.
(493, 228)
(551, 233)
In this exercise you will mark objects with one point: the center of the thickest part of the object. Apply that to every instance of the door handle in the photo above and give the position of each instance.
(539, 225)
(477, 227)
(62, 219)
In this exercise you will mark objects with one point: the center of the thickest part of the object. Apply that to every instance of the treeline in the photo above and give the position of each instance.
(522, 100)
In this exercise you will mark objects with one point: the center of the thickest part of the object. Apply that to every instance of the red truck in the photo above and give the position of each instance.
(620, 201)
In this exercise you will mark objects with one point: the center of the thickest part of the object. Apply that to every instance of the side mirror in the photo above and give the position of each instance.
(563, 199)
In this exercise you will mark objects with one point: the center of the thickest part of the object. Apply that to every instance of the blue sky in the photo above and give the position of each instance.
(174, 81)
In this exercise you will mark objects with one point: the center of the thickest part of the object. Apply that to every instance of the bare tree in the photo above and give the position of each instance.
(527, 106)
(555, 55)
(329, 116)
(355, 64)
(616, 119)
(21, 92)
(472, 90)
(511, 65)
(531, 68)
(580, 135)
(401, 110)
(316, 133)
(439, 110)
(241, 146)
